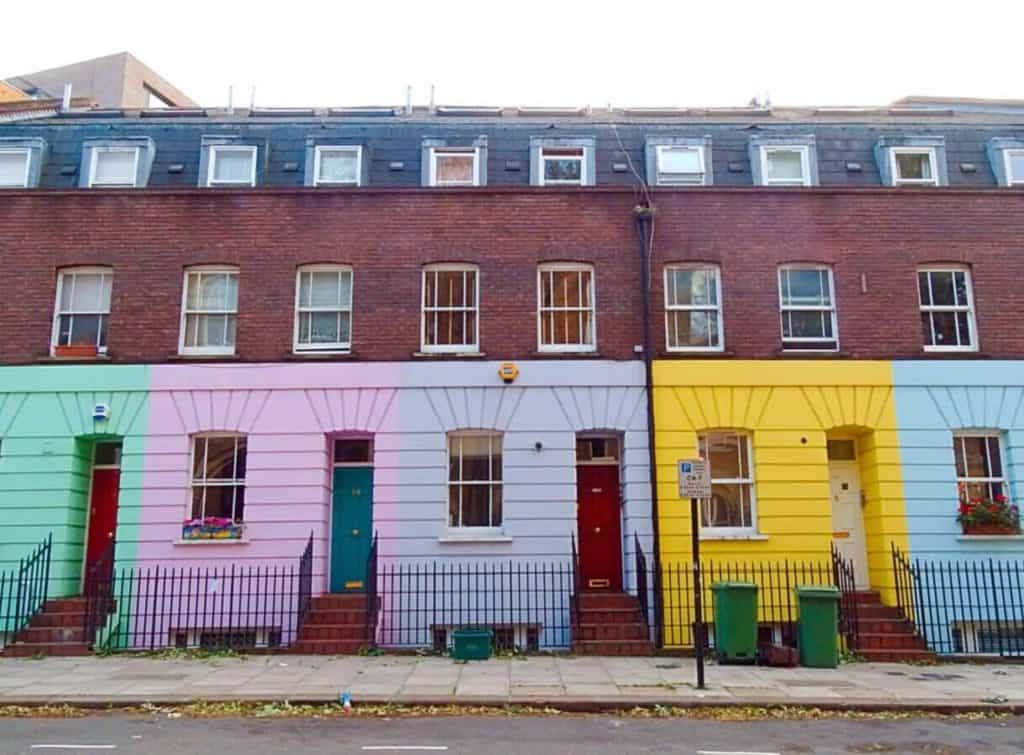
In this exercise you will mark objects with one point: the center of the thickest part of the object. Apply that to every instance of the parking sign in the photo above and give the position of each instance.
(694, 478)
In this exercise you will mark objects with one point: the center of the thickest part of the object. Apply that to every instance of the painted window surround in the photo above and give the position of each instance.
(759, 146)
(145, 154)
(37, 150)
(702, 143)
(999, 150)
(887, 146)
(206, 152)
(478, 145)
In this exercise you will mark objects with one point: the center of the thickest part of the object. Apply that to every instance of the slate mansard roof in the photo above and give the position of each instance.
(845, 140)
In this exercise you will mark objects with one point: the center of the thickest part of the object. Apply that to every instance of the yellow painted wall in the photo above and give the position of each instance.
(789, 408)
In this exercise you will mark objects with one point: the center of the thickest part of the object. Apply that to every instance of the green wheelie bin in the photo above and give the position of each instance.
(735, 621)
(819, 626)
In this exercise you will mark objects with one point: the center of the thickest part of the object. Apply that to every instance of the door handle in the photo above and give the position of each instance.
(597, 530)
(355, 532)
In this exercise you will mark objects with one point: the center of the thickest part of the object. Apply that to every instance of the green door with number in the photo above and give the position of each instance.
(351, 525)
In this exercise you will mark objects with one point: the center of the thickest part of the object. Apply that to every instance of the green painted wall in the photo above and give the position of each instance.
(46, 438)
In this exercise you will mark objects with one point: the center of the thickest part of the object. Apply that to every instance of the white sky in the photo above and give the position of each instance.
(546, 52)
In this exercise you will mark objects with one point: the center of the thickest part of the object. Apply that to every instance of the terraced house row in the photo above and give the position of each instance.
(323, 407)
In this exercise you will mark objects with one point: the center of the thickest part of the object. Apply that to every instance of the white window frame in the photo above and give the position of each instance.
(1008, 155)
(205, 483)
(27, 154)
(894, 166)
(986, 434)
(972, 327)
(212, 164)
(58, 312)
(185, 312)
(679, 179)
(670, 308)
(726, 532)
(833, 310)
(805, 165)
(436, 151)
(463, 530)
(94, 163)
(471, 348)
(566, 347)
(337, 347)
(320, 149)
(544, 181)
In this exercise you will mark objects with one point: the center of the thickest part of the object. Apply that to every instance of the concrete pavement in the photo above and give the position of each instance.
(568, 682)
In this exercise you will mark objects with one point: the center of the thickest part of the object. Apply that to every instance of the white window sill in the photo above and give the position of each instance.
(457, 354)
(989, 538)
(739, 536)
(950, 349)
(213, 541)
(482, 537)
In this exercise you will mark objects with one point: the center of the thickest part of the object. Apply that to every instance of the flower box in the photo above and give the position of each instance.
(76, 350)
(990, 529)
(981, 516)
(212, 528)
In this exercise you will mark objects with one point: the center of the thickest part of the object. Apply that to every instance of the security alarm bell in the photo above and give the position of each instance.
(101, 412)
(508, 372)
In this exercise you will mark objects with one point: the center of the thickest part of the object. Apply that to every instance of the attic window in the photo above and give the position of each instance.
(232, 166)
(785, 166)
(14, 167)
(1015, 167)
(913, 166)
(337, 166)
(453, 167)
(680, 166)
(114, 166)
(562, 167)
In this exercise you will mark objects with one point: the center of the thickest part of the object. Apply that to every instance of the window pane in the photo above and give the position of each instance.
(454, 168)
(323, 327)
(108, 454)
(806, 287)
(220, 458)
(944, 327)
(338, 166)
(785, 165)
(679, 160)
(85, 292)
(220, 501)
(942, 288)
(801, 324)
(115, 167)
(454, 464)
(476, 505)
(693, 329)
(454, 495)
(729, 506)
(83, 330)
(450, 289)
(977, 465)
(563, 168)
(958, 456)
(995, 462)
(197, 501)
(922, 288)
(913, 165)
(323, 289)
(692, 287)
(352, 451)
(12, 168)
(232, 165)
(475, 458)
(723, 452)
(1016, 167)
(212, 292)
(960, 287)
(566, 288)
(496, 505)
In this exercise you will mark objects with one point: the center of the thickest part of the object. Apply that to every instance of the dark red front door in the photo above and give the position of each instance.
(102, 512)
(600, 529)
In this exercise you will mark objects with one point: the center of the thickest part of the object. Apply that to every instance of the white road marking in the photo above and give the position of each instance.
(732, 752)
(393, 748)
(74, 747)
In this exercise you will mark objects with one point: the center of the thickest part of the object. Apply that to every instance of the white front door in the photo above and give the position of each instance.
(848, 519)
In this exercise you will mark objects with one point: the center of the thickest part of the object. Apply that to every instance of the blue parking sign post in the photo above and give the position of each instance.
(695, 483)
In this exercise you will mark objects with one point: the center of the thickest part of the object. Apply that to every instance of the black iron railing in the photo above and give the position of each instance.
(963, 607)
(372, 604)
(844, 577)
(234, 607)
(577, 588)
(24, 590)
(642, 594)
(98, 591)
(526, 605)
(305, 595)
(776, 596)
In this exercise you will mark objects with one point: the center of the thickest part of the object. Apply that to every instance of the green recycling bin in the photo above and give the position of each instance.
(735, 621)
(471, 644)
(818, 636)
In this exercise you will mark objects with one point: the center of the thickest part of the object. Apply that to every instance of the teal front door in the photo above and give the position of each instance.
(351, 523)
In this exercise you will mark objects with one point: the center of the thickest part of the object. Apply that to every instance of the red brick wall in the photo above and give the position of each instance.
(150, 237)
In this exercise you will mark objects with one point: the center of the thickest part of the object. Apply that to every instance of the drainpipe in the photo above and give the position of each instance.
(643, 217)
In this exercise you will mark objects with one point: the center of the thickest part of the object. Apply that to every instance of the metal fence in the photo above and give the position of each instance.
(526, 604)
(23, 591)
(235, 607)
(963, 607)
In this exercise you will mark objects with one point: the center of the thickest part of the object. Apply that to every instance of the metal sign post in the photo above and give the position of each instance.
(695, 483)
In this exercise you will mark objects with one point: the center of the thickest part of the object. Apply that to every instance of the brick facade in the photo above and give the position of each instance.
(387, 235)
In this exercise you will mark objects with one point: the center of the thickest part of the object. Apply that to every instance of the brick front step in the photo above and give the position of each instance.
(618, 647)
(884, 634)
(328, 647)
(635, 630)
(607, 600)
(56, 630)
(344, 632)
(609, 616)
(65, 605)
(890, 641)
(879, 626)
(340, 602)
(897, 656)
(34, 634)
(336, 625)
(31, 649)
(320, 616)
(878, 611)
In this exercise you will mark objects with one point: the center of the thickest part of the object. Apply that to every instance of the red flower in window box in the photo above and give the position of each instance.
(995, 517)
(76, 350)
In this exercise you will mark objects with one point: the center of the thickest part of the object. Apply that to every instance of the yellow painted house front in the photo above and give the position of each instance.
(823, 466)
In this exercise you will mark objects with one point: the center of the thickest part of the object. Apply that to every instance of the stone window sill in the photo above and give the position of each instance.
(449, 354)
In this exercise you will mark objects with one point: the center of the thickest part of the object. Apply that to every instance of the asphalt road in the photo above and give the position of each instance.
(565, 735)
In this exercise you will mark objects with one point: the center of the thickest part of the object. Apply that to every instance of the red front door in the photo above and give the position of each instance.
(106, 482)
(600, 528)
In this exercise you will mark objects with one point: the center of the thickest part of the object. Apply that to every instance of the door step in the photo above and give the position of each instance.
(884, 634)
(57, 630)
(610, 623)
(336, 625)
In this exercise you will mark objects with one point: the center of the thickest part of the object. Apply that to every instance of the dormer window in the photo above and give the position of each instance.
(912, 166)
(562, 167)
(680, 166)
(337, 166)
(453, 167)
(113, 167)
(14, 168)
(785, 166)
(1014, 166)
(232, 165)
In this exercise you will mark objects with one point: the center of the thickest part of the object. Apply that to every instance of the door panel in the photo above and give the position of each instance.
(848, 518)
(102, 512)
(600, 527)
(351, 525)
